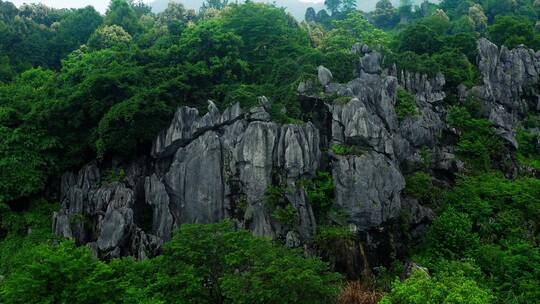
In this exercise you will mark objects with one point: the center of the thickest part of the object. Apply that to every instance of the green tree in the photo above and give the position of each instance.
(456, 68)
(512, 31)
(111, 36)
(333, 6)
(451, 236)
(60, 273)
(27, 150)
(215, 4)
(217, 263)
(420, 288)
(121, 13)
(420, 39)
(385, 15)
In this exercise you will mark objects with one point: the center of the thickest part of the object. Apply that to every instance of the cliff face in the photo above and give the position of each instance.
(510, 86)
(206, 168)
(203, 169)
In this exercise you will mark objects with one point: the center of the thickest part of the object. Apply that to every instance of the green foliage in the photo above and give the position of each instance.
(420, 39)
(410, 61)
(328, 237)
(500, 208)
(42, 278)
(456, 68)
(478, 142)
(420, 288)
(131, 124)
(27, 150)
(235, 266)
(513, 31)
(493, 221)
(75, 85)
(451, 236)
(113, 176)
(340, 149)
(321, 195)
(420, 186)
(112, 36)
(280, 207)
(20, 232)
(528, 154)
(121, 13)
(405, 104)
(352, 29)
(201, 264)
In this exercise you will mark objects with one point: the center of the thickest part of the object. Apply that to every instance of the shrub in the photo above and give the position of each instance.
(113, 176)
(217, 263)
(346, 150)
(478, 143)
(321, 195)
(444, 288)
(279, 206)
(357, 292)
(419, 186)
(405, 105)
(327, 236)
(451, 236)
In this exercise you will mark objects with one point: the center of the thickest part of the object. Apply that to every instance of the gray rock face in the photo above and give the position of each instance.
(368, 188)
(195, 181)
(221, 165)
(188, 125)
(507, 75)
(156, 195)
(100, 215)
(355, 123)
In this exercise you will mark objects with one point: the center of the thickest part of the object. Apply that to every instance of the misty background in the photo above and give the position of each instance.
(296, 7)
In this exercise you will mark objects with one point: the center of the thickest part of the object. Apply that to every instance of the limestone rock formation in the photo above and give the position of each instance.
(220, 165)
(204, 169)
(508, 76)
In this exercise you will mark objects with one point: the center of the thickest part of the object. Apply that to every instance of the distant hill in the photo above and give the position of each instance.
(296, 7)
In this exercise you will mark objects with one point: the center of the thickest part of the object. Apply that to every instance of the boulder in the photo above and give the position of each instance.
(324, 75)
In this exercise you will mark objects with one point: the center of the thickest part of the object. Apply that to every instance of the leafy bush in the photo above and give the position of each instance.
(113, 176)
(405, 105)
(478, 143)
(527, 152)
(451, 236)
(41, 278)
(202, 263)
(320, 192)
(212, 263)
(21, 231)
(420, 288)
(279, 206)
(420, 186)
(328, 237)
(340, 149)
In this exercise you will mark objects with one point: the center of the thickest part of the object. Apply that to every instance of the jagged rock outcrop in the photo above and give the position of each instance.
(508, 77)
(204, 169)
(368, 188)
(220, 165)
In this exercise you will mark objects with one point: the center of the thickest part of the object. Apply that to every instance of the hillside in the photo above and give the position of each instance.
(237, 155)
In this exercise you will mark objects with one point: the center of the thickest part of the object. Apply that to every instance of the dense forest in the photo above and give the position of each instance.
(79, 87)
